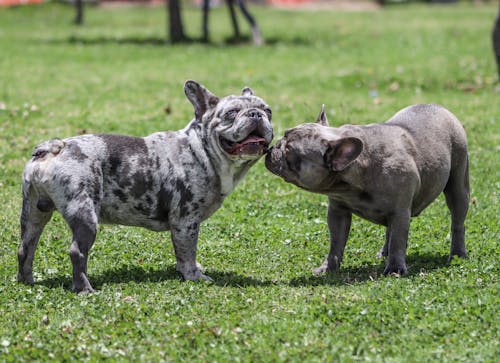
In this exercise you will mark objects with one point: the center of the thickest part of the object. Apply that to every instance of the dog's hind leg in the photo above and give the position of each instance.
(457, 199)
(35, 214)
(83, 224)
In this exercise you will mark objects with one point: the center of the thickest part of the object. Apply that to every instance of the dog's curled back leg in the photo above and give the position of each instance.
(35, 214)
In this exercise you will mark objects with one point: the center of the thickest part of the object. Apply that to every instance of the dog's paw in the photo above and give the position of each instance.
(329, 265)
(457, 254)
(205, 278)
(82, 287)
(194, 274)
(321, 269)
(397, 269)
(86, 290)
(28, 280)
(198, 278)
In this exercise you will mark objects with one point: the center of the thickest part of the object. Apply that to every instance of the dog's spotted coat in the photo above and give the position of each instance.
(165, 181)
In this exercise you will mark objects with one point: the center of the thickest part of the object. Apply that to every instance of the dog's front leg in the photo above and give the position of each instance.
(185, 240)
(339, 224)
(398, 226)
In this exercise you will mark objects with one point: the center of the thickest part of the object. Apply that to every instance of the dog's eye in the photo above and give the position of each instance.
(231, 114)
(268, 112)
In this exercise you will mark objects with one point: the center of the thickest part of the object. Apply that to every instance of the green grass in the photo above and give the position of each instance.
(115, 75)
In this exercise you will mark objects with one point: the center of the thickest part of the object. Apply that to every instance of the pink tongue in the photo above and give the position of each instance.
(251, 145)
(252, 139)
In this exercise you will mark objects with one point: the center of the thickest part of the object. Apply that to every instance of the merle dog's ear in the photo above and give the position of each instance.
(341, 153)
(322, 120)
(247, 91)
(201, 98)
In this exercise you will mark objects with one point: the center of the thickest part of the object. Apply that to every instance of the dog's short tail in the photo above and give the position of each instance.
(51, 147)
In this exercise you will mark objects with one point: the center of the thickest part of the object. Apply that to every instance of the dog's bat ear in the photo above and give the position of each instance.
(322, 120)
(341, 153)
(247, 91)
(201, 98)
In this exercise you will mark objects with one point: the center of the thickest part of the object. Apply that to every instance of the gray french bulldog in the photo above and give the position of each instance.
(165, 181)
(385, 173)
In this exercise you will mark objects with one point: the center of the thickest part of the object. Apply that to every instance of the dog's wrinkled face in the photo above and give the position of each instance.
(312, 155)
(238, 126)
(298, 158)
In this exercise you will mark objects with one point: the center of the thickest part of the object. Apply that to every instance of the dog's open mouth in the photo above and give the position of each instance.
(252, 145)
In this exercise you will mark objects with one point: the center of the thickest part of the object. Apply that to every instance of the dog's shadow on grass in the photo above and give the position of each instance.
(417, 264)
(140, 274)
(113, 276)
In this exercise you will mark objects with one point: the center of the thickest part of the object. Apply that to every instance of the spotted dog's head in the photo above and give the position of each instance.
(237, 127)
(311, 155)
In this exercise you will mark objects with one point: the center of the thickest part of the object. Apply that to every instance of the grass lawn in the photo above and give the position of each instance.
(115, 75)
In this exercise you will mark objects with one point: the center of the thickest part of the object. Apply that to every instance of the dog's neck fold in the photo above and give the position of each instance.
(229, 174)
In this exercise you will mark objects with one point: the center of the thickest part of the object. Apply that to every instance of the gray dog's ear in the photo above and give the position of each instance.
(341, 153)
(322, 120)
(247, 91)
(201, 98)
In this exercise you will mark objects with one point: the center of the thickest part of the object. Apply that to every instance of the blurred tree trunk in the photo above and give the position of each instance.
(496, 41)
(176, 29)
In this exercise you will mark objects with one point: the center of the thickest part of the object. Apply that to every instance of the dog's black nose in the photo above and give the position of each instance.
(254, 114)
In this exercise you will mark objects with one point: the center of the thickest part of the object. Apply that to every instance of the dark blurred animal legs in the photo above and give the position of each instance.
(256, 36)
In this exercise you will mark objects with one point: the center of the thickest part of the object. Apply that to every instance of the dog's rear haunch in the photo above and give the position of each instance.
(165, 181)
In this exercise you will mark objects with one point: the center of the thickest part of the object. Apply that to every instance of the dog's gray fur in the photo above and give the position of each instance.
(385, 173)
(165, 181)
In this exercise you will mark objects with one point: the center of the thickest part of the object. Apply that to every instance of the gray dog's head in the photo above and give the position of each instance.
(312, 155)
(238, 127)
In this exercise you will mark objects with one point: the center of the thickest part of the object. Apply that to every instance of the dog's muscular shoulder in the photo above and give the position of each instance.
(408, 158)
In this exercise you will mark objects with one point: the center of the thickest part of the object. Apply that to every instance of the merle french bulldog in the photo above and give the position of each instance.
(165, 181)
(385, 173)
